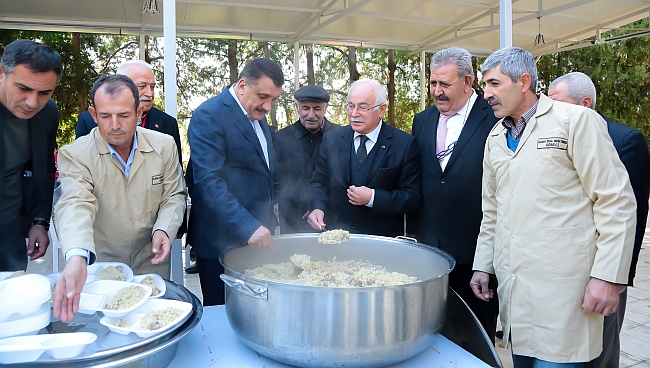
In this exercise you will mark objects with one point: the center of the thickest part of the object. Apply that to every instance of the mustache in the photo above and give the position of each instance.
(441, 98)
(146, 99)
(117, 131)
(311, 119)
(493, 101)
(357, 120)
(263, 111)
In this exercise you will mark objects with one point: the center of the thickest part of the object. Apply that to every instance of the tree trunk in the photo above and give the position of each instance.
(310, 64)
(475, 68)
(352, 64)
(265, 49)
(391, 87)
(79, 82)
(147, 57)
(232, 61)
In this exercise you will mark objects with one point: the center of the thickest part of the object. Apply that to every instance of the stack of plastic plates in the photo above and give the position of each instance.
(24, 305)
(24, 349)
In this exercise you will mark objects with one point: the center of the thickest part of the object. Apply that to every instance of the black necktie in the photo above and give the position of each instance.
(362, 153)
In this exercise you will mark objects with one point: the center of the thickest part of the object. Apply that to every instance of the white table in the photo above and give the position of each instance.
(214, 344)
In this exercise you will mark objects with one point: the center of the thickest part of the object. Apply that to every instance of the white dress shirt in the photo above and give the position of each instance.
(256, 126)
(370, 143)
(455, 125)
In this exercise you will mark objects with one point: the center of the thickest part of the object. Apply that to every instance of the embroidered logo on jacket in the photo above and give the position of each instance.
(553, 142)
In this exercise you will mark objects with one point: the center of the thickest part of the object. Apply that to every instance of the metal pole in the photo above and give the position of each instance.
(169, 32)
(505, 25)
(296, 64)
(423, 80)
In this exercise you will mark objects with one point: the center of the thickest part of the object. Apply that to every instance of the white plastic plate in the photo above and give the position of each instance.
(96, 267)
(20, 325)
(23, 295)
(160, 283)
(23, 349)
(95, 295)
(133, 318)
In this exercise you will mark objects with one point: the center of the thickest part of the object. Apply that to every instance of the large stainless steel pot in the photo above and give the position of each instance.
(334, 327)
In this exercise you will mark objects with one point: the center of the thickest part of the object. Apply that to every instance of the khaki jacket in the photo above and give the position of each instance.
(112, 216)
(557, 211)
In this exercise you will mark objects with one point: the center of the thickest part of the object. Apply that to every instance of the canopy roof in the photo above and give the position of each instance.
(413, 25)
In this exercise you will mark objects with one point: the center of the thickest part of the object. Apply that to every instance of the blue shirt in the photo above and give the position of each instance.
(126, 166)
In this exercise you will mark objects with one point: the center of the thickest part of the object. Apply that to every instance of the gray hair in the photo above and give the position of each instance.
(454, 55)
(579, 86)
(127, 66)
(514, 62)
(378, 88)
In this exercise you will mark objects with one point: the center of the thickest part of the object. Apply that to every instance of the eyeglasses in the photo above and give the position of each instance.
(361, 108)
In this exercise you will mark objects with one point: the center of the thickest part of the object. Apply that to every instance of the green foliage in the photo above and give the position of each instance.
(619, 71)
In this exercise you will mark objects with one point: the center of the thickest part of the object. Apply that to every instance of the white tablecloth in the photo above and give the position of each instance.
(214, 344)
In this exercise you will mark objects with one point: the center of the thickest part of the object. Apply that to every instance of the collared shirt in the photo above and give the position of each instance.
(126, 166)
(370, 143)
(455, 125)
(509, 123)
(255, 124)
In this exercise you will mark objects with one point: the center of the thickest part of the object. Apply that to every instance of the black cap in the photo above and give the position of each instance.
(312, 93)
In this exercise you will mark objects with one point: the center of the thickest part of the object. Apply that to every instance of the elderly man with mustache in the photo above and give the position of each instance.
(367, 174)
(141, 74)
(297, 147)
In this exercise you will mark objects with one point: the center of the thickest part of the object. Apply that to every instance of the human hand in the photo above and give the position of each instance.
(601, 297)
(304, 217)
(316, 219)
(261, 238)
(479, 284)
(68, 289)
(161, 246)
(38, 242)
(359, 196)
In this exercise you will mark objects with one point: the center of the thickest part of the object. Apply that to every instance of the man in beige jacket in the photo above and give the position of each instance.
(123, 193)
(558, 219)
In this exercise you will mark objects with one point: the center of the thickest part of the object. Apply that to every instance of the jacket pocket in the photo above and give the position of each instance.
(564, 251)
(553, 168)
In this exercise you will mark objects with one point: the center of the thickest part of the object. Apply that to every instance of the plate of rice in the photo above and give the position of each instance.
(112, 298)
(152, 317)
(154, 281)
(110, 271)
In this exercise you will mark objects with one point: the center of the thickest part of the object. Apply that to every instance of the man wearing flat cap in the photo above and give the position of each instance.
(297, 149)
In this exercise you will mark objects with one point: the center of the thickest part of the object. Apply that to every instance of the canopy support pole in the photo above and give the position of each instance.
(296, 65)
(505, 25)
(169, 33)
(423, 80)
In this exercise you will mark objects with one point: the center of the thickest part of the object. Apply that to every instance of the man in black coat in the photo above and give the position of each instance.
(29, 72)
(367, 174)
(451, 137)
(632, 148)
(297, 149)
(141, 74)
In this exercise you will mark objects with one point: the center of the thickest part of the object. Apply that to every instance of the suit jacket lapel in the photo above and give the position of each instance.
(2, 155)
(474, 120)
(270, 148)
(343, 149)
(430, 131)
(380, 148)
(242, 122)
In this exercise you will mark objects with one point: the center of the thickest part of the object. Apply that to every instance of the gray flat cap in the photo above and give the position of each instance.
(312, 93)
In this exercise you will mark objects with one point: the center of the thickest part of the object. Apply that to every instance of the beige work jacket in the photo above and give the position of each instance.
(557, 211)
(112, 216)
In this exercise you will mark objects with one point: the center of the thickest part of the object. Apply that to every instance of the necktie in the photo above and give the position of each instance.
(362, 153)
(442, 137)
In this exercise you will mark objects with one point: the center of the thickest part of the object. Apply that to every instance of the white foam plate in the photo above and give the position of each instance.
(21, 325)
(97, 294)
(133, 318)
(15, 300)
(24, 349)
(96, 267)
(160, 283)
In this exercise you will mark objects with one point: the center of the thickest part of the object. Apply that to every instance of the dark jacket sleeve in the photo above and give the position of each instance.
(85, 124)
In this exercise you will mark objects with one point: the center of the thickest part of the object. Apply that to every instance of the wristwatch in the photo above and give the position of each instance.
(42, 223)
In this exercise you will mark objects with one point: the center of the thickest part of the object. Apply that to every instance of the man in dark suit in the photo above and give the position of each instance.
(230, 172)
(297, 148)
(367, 175)
(451, 137)
(632, 148)
(29, 72)
(141, 74)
